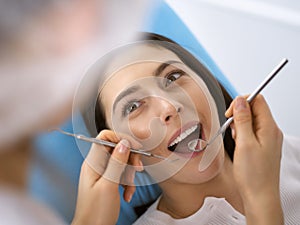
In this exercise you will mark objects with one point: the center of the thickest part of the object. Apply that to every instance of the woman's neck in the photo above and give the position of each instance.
(183, 200)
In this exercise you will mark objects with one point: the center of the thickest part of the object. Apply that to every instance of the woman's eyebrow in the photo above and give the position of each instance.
(163, 66)
(135, 88)
(125, 93)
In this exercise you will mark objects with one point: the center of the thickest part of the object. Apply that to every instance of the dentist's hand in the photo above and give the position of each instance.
(98, 200)
(257, 160)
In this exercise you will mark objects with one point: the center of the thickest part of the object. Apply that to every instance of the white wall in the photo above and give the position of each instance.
(247, 39)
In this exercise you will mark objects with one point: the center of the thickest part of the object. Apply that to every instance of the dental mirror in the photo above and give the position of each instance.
(198, 145)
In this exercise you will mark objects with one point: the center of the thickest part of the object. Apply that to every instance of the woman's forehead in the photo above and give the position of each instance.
(141, 62)
(139, 53)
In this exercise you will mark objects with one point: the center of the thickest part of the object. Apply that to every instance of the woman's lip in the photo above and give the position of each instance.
(181, 130)
(188, 154)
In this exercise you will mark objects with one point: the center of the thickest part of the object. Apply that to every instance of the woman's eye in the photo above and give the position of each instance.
(173, 76)
(131, 106)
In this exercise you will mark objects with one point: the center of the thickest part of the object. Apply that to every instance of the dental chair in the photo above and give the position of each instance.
(56, 163)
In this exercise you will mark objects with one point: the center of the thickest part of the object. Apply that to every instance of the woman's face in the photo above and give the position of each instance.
(163, 104)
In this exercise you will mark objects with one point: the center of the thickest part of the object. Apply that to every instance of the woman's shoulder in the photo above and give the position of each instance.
(293, 140)
(291, 148)
(290, 179)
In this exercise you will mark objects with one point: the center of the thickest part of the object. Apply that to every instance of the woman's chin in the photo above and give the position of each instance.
(190, 173)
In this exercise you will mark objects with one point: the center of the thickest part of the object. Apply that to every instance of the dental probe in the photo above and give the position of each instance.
(107, 143)
(193, 144)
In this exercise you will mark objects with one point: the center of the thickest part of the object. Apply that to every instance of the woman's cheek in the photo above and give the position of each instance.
(139, 129)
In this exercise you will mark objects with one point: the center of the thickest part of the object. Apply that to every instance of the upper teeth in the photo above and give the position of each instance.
(183, 135)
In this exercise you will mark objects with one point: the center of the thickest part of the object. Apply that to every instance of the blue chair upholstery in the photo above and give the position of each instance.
(57, 160)
(55, 170)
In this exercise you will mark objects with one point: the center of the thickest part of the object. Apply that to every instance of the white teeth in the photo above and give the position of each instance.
(183, 135)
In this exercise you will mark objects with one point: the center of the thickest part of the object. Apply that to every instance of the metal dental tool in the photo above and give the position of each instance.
(107, 143)
(202, 144)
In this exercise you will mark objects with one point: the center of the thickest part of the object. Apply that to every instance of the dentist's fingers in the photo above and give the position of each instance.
(264, 123)
(133, 143)
(99, 155)
(242, 121)
(229, 111)
(129, 175)
(136, 162)
(128, 193)
(98, 196)
(96, 161)
(117, 162)
(129, 187)
(100, 163)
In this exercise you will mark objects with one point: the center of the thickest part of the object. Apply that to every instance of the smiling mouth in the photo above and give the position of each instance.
(182, 140)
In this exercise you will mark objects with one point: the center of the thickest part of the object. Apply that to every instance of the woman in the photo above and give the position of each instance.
(157, 97)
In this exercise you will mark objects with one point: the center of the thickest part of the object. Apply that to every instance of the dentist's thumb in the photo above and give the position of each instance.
(242, 118)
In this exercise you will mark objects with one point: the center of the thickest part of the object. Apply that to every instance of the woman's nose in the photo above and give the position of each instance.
(168, 109)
